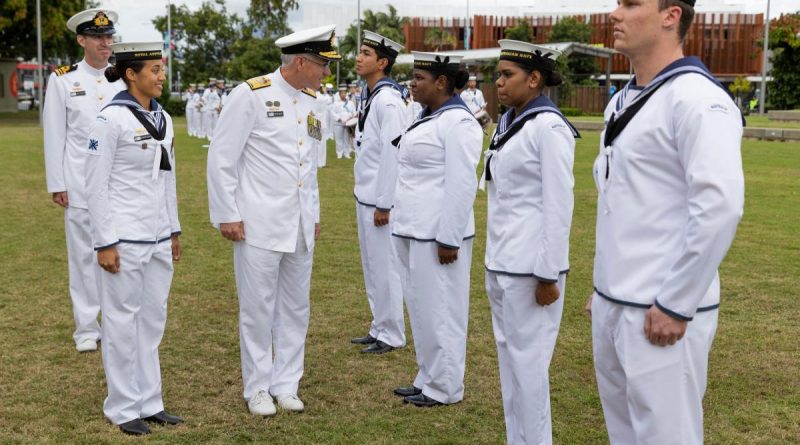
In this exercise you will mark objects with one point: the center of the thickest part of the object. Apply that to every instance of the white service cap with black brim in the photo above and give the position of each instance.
(320, 41)
(93, 22)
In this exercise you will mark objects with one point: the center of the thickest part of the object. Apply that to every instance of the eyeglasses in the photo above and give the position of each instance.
(324, 64)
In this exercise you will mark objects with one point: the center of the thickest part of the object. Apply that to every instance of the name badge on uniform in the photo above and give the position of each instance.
(314, 127)
(273, 108)
(142, 137)
(77, 93)
(274, 113)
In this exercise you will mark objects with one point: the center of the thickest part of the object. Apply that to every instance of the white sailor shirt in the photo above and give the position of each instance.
(474, 99)
(75, 95)
(129, 198)
(436, 180)
(674, 194)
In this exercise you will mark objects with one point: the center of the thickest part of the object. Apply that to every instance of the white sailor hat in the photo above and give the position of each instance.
(329, 85)
(475, 78)
(528, 54)
(125, 51)
(192, 84)
(222, 81)
(380, 43)
(436, 62)
(318, 41)
(93, 22)
(342, 87)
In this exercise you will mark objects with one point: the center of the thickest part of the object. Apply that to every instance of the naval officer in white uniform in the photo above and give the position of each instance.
(75, 94)
(528, 172)
(434, 227)
(130, 191)
(671, 194)
(342, 110)
(263, 195)
(381, 118)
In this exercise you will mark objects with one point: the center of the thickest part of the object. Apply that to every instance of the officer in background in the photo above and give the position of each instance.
(343, 110)
(263, 196)
(190, 108)
(474, 99)
(75, 94)
(211, 103)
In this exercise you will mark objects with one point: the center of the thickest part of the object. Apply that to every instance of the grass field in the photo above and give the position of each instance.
(51, 394)
(753, 121)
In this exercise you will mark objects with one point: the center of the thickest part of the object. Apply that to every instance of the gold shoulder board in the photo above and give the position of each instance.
(259, 82)
(310, 92)
(66, 69)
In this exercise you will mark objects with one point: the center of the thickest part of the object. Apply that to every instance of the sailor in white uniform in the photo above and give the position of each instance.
(473, 97)
(382, 116)
(211, 105)
(528, 172)
(75, 94)
(324, 101)
(434, 227)
(342, 110)
(130, 191)
(263, 195)
(190, 108)
(671, 194)
(198, 111)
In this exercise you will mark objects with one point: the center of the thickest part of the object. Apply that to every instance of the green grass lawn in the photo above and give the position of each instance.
(51, 394)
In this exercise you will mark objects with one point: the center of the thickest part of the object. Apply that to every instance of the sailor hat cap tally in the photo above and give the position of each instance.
(318, 41)
(528, 54)
(387, 46)
(436, 61)
(93, 22)
(138, 51)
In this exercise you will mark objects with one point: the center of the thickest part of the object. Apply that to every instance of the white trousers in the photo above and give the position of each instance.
(83, 280)
(208, 123)
(343, 141)
(322, 152)
(437, 297)
(381, 279)
(190, 121)
(274, 309)
(525, 333)
(134, 304)
(650, 394)
(197, 123)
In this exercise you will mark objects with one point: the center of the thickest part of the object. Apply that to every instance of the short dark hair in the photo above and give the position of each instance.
(687, 15)
(389, 60)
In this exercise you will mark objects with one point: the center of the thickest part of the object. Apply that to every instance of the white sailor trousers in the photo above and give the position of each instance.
(342, 141)
(134, 303)
(190, 120)
(197, 123)
(322, 151)
(208, 123)
(381, 279)
(83, 278)
(437, 297)
(651, 395)
(525, 333)
(274, 309)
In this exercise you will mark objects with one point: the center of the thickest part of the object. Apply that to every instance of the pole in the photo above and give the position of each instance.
(39, 74)
(467, 33)
(169, 45)
(358, 28)
(763, 95)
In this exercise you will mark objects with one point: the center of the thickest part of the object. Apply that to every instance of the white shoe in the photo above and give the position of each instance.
(261, 404)
(290, 402)
(87, 345)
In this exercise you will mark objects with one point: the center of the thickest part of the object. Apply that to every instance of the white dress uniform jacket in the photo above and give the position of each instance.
(671, 194)
(262, 164)
(211, 101)
(82, 91)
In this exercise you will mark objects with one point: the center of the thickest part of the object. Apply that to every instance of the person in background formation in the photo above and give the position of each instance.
(263, 196)
(473, 97)
(528, 170)
(200, 126)
(321, 111)
(190, 108)
(433, 227)
(382, 116)
(75, 95)
(130, 191)
(211, 105)
(343, 111)
(670, 197)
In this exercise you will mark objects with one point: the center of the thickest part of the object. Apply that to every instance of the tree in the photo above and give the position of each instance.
(439, 39)
(254, 56)
(740, 88)
(18, 29)
(579, 67)
(270, 16)
(522, 31)
(389, 25)
(784, 40)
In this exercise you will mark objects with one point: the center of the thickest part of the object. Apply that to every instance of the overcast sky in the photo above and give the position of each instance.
(135, 24)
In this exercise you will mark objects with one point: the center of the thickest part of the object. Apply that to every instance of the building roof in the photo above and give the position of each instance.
(486, 54)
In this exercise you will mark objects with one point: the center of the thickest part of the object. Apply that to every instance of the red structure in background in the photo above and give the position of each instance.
(727, 43)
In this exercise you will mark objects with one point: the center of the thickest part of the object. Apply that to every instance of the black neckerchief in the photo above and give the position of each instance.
(426, 115)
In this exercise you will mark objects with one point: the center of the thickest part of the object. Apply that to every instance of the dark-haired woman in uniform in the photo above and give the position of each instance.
(434, 227)
(528, 170)
(130, 186)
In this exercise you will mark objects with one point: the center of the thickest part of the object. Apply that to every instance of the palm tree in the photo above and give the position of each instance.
(388, 25)
(439, 39)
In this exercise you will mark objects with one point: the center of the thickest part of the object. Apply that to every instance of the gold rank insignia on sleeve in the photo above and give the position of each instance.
(259, 82)
(66, 69)
(310, 92)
